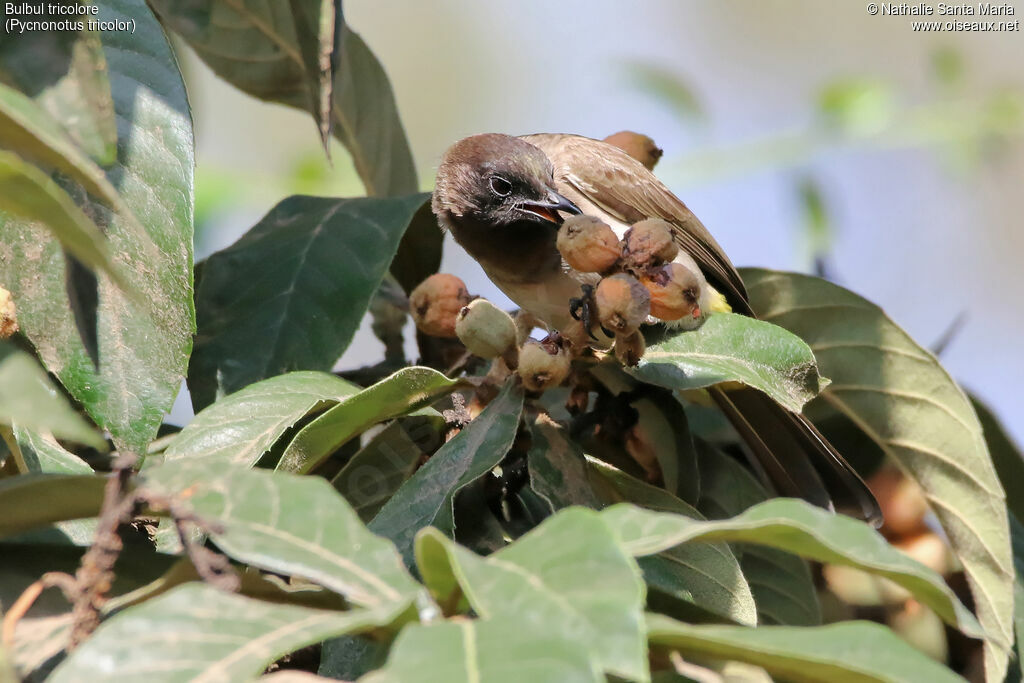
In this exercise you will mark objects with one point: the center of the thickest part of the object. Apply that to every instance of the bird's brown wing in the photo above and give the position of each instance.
(796, 458)
(622, 187)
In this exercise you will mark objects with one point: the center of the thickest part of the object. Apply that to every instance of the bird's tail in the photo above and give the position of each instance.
(793, 455)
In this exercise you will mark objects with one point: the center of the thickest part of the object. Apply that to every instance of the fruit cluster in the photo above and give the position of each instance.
(442, 307)
(641, 277)
(863, 595)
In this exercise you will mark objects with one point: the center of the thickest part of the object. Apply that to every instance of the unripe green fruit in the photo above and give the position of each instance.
(623, 304)
(543, 365)
(436, 302)
(486, 330)
(588, 245)
(649, 243)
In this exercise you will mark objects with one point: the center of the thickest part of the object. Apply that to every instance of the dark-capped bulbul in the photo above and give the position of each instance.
(501, 198)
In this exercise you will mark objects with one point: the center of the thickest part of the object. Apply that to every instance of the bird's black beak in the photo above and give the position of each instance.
(548, 209)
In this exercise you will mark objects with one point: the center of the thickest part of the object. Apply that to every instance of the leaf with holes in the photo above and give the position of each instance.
(900, 396)
(310, 267)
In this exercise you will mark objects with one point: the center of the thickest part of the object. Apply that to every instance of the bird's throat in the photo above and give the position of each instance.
(518, 252)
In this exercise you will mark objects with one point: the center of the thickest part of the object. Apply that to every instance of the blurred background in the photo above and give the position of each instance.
(807, 136)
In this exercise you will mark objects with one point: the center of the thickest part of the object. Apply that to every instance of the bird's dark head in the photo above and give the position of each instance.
(497, 180)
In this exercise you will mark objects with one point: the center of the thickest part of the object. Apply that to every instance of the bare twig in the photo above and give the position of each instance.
(24, 603)
(95, 574)
(87, 590)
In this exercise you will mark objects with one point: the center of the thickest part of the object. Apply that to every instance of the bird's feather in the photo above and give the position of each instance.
(607, 178)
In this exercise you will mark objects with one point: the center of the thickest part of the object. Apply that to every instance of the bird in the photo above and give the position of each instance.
(502, 197)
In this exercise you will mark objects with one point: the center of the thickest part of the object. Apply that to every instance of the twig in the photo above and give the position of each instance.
(949, 334)
(24, 603)
(95, 574)
(87, 590)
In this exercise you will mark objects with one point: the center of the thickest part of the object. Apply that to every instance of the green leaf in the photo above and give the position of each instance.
(558, 468)
(33, 500)
(1017, 535)
(83, 290)
(491, 650)
(419, 253)
(144, 345)
(27, 194)
(196, 632)
(568, 578)
(296, 526)
(1006, 456)
(43, 454)
(798, 527)
(67, 74)
(781, 582)
(849, 651)
(707, 576)
(349, 657)
(252, 583)
(266, 61)
(903, 399)
(310, 267)
(318, 31)
(733, 347)
(367, 122)
(427, 499)
(245, 425)
(380, 467)
(662, 430)
(28, 130)
(1009, 464)
(397, 394)
(28, 399)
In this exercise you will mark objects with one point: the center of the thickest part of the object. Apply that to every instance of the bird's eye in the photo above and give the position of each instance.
(500, 186)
